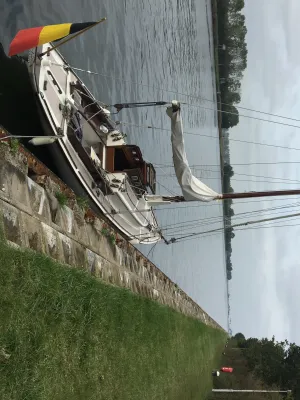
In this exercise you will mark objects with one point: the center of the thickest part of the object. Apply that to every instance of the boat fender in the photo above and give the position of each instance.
(103, 129)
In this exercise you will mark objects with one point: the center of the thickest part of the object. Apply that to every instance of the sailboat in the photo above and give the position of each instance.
(91, 153)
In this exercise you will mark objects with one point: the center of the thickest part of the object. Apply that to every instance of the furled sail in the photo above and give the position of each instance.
(192, 188)
(27, 39)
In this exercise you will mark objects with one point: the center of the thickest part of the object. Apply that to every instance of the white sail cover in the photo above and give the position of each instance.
(192, 188)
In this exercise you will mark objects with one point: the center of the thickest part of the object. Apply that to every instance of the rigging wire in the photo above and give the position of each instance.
(246, 213)
(283, 182)
(165, 187)
(243, 141)
(211, 137)
(164, 173)
(235, 164)
(238, 229)
(219, 203)
(186, 228)
(217, 219)
(198, 97)
(251, 175)
(152, 249)
(235, 173)
(190, 231)
(245, 116)
(218, 233)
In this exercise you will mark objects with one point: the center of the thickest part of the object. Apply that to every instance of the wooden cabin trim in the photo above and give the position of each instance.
(110, 159)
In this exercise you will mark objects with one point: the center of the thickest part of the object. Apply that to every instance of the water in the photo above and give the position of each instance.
(158, 45)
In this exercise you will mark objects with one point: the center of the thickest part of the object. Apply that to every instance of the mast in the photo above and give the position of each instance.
(244, 195)
(248, 195)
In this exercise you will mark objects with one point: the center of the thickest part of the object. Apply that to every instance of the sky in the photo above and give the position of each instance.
(266, 270)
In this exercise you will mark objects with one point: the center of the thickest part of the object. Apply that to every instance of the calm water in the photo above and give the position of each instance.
(144, 49)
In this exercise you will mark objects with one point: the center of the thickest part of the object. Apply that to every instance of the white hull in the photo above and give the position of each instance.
(127, 211)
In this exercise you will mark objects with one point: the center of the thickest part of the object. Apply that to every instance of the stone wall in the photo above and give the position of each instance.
(33, 217)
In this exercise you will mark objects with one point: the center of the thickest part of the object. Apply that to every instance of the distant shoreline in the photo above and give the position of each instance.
(214, 9)
(214, 12)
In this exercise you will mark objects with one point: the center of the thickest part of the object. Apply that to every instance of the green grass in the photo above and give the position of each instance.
(82, 203)
(65, 335)
(61, 198)
(14, 145)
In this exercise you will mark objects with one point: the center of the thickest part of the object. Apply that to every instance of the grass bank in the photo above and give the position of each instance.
(65, 335)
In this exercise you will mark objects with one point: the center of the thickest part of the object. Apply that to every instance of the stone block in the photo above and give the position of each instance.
(79, 255)
(94, 238)
(64, 218)
(33, 233)
(79, 225)
(13, 185)
(53, 246)
(17, 159)
(67, 248)
(39, 201)
(98, 267)
(12, 223)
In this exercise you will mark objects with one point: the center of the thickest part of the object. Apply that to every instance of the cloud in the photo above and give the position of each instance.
(289, 294)
(274, 318)
(266, 270)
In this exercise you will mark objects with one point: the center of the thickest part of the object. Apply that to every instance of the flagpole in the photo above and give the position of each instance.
(71, 37)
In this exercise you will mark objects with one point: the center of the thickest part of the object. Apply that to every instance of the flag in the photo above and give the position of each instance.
(33, 37)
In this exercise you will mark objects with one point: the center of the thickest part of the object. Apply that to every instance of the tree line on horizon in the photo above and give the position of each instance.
(276, 363)
(233, 58)
(258, 364)
(232, 63)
